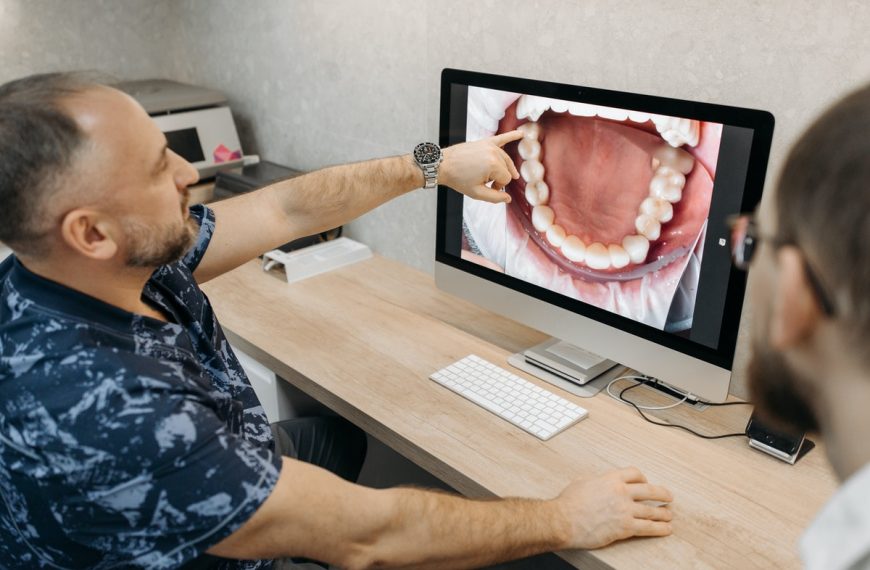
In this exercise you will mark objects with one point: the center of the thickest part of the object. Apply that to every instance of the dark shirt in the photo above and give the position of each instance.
(125, 441)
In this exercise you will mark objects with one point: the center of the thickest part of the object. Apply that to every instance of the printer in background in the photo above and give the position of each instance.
(196, 121)
(199, 127)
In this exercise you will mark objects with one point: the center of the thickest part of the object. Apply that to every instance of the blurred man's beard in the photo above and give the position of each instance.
(155, 246)
(775, 390)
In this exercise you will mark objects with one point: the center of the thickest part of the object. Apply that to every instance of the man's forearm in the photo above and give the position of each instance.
(333, 196)
(250, 224)
(436, 530)
(316, 514)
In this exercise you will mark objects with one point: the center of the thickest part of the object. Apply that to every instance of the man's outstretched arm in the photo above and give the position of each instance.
(248, 225)
(315, 514)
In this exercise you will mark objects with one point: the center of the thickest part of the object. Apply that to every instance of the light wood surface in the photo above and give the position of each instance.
(202, 193)
(364, 339)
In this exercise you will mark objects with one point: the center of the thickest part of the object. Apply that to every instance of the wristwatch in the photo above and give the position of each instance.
(428, 156)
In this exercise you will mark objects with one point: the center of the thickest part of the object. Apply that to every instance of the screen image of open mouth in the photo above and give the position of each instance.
(611, 206)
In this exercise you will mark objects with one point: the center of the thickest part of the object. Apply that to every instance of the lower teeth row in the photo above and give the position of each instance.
(670, 166)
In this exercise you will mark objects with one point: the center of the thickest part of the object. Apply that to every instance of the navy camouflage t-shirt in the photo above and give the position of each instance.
(125, 441)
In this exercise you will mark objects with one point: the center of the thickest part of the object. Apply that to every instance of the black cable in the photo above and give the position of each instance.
(691, 431)
(728, 404)
(653, 383)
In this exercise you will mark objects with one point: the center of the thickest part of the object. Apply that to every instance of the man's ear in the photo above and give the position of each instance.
(90, 233)
(795, 312)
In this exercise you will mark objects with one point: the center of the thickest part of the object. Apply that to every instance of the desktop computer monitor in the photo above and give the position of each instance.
(616, 238)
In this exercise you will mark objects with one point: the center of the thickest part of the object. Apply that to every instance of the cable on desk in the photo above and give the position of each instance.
(728, 404)
(649, 381)
(663, 424)
(643, 380)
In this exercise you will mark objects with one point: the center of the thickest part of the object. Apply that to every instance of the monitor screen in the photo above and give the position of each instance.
(185, 143)
(620, 210)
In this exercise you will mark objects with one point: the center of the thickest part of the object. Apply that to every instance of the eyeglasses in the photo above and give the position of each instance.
(745, 238)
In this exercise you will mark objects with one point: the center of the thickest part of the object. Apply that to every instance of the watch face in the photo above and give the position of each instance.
(427, 153)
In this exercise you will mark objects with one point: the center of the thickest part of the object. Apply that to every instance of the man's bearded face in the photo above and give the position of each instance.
(155, 246)
(777, 390)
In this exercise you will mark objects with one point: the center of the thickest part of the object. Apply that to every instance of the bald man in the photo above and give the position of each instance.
(129, 434)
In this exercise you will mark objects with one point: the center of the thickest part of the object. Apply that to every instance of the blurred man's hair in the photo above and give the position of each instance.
(38, 146)
(823, 206)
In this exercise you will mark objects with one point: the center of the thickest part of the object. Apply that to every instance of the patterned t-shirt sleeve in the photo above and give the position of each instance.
(149, 475)
(205, 216)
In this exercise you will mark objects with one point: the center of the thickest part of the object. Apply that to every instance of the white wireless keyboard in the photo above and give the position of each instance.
(522, 403)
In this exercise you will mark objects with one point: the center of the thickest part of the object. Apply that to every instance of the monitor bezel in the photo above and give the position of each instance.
(761, 122)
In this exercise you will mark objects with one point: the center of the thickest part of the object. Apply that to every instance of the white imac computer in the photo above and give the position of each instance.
(615, 240)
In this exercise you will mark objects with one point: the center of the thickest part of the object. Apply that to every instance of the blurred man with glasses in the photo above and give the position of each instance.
(809, 249)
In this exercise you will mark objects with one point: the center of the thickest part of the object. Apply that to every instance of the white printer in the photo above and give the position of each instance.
(197, 122)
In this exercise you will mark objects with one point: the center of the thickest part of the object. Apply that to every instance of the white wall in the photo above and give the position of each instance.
(125, 38)
(318, 82)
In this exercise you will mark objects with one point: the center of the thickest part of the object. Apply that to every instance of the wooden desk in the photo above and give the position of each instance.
(364, 339)
(202, 193)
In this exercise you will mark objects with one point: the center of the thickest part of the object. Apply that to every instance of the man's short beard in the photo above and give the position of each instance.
(776, 390)
(152, 247)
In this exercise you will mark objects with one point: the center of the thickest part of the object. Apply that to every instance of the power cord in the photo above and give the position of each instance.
(643, 380)
(728, 403)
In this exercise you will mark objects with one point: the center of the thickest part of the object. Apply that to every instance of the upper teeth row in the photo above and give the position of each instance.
(674, 130)
(671, 165)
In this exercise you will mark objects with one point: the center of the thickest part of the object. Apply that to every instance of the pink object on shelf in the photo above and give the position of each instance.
(223, 154)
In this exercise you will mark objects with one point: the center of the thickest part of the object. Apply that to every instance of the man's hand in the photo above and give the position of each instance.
(468, 167)
(315, 514)
(611, 507)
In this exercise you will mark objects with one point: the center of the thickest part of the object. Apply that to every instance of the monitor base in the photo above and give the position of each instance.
(588, 390)
(568, 361)
(585, 374)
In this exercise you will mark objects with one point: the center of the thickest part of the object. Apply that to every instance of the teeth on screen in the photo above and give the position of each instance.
(670, 167)
(542, 218)
(532, 107)
(648, 227)
(574, 249)
(637, 247)
(556, 235)
(581, 110)
(661, 210)
(678, 159)
(597, 256)
(558, 105)
(618, 256)
(612, 114)
(529, 149)
(530, 130)
(677, 131)
(532, 171)
(537, 193)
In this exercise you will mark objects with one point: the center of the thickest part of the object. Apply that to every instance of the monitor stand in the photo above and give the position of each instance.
(567, 366)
